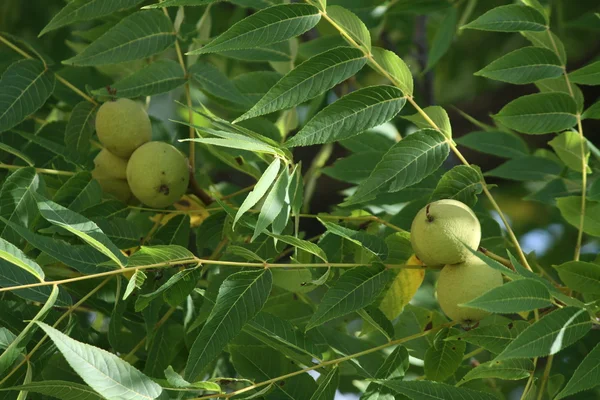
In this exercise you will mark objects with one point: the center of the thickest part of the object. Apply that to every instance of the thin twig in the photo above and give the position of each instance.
(38, 170)
(195, 260)
(545, 376)
(164, 319)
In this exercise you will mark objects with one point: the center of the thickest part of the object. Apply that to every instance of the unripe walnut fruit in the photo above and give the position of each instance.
(158, 174)
(109, 166)
(123, 126)
(115, 187)
(461, 283)
(439, 230)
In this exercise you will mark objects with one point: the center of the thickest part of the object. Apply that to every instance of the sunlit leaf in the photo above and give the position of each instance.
(552, 333)
(314, 76)
(570, 209)
(349, 116)
(351, 25)
(268, 26)
(525, 65)
(583, 277)
(510, 18)
(513, 297)
(568, 146)
(395, 69)
(462, 183)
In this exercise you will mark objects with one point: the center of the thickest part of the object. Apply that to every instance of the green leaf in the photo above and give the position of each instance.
(437, 114)
(588, 75)
(106, 373)
(328, 384)
(11, 150)
(583, 277)
(79, 193)
(547, 40)
(17, 201)
(371, 243)
(309, 79)
(395, 69)
(265, 27)
(559, 84)
(283, 333)
(81, 227)
(568, 147)
(593, 112)
(497, 143)
(355, 289)
(260, 189)
(183, 282)
(159, 77)
(529, 168)
(85, 10)
(79, 131)
(177, 381)
(273, 204)
(351, 25)
(301, 244)
(352, 114)
(63, 390)
(427, 390)
(443, 38)
(177, 3)
(135, 37)
(83, 258)
(135, 282)
(510, 18)
(354, 168)
(525, 65)
(462, 183)
(407, 162)
(241, 297)
(12, 350)
(570, 209)
(24, 88)
(493, 338)
(552, 333)
(444, 357)
(159, 254)
(216, 83)
(261, 363)
(513, 297)
(276, 52)
(585, 377)
(176, 231)
(506, 370)
(539, 113)
(14, 255)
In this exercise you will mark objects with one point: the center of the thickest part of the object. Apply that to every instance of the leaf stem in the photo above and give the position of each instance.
(327, 363)
(545, 376)
(38, 170)
(68, 312)
(382, 71)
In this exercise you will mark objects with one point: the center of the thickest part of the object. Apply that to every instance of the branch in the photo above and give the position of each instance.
(195, 260)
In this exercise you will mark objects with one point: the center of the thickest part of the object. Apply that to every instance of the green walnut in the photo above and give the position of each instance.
(460, 283)
(109, 166)
(439, 230)
(117, 188)
(158, 174)
(123, 126)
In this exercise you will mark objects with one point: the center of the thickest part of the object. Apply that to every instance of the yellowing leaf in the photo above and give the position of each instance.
(402, 289)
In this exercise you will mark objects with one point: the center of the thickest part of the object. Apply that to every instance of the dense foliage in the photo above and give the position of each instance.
(314, 136)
